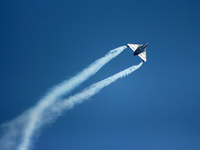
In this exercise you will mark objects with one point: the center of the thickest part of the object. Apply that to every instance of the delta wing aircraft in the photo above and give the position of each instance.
(139, 50)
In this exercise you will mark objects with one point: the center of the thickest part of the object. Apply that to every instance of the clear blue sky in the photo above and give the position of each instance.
(157, 107)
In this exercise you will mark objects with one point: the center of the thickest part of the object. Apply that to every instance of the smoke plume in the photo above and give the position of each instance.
(25, 125)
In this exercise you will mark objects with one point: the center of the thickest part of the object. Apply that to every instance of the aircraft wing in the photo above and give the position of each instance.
(134, 46)
(143, 55)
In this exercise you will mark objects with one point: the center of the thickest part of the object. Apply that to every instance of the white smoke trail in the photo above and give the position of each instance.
(30, 120)
(58, 108)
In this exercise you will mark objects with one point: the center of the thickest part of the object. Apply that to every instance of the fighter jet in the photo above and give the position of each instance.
(139, 50)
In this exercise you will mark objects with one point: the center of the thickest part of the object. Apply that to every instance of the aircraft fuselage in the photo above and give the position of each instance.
(140, 49)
